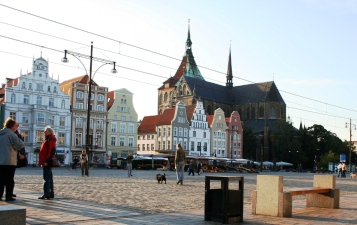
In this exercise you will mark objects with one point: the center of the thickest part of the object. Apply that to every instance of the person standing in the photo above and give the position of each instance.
(21, 155)
(339, 169)
(83, 159)
(199, 168)
(129, 161)
(10, 145)
(343, 169)
(180, 159)
(47, 152)
(192, 169)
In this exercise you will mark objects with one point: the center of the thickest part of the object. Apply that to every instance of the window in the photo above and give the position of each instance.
(13, 115)
(175, 131)
(39, 100)
(143, 147)
(100, 108)
(204, 134)
(79, 122)
(25, 117)
(148, 137)
(51, 120)
(25, 135)
(13, 98)
(62, 121)
(30, 86)
(100, 97)
(147, 147)
(26, 99)
(23, 85)
(39, 136)
(54, 89)
(122, 109)
(180, 131)
(205, 147)
(138, 147)
(131, 129)
(122, 128)
(80, 94)
(192, 146)
(164, 132)
(122, 118)
(131, 142)
(194, 134)
(113, 127)
(79, 105)
(159, 145)
(152, 146)
(163, 145)
(60, 138)
(78, 140)
(169, 131)
(51, 102)
(168, 145)
(39, 87)
(91, 123)
(63, 104)
(49, 89)
(99, 140)
(185, 132)
(122, 141)
(99, 124)
(40, 118)
(159, 133)
(113, 140)
(118, 108)
(215, 134)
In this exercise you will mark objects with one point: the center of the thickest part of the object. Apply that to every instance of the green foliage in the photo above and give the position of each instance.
(249, 143)
(326, 158)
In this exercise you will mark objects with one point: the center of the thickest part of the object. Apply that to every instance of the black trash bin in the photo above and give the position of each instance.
(224, 205)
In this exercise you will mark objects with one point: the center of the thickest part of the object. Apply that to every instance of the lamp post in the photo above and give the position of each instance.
(261, 157)
(350, 125)
(90, 82)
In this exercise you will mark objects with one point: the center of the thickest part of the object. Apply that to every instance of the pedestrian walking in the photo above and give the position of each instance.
(192, 169)
(180, 159)
(10, 145)
(199, 168)
(129, 160)
(344, 169)
(47, 152)
(83, 159)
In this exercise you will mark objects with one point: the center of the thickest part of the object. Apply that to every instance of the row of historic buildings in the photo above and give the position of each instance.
(37, 100)
(198, 133)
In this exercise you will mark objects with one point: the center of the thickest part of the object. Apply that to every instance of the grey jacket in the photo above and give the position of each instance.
(10, 143)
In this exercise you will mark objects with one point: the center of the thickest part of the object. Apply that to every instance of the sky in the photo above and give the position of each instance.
(307, 47)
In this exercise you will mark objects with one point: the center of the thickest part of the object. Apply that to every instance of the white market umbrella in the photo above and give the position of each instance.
(281, 163)
(267, 163)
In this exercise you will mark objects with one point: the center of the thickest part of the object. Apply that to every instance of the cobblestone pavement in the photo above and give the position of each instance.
(108, 196)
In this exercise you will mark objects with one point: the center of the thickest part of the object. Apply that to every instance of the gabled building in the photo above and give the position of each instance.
(35, 100)
(218, 134)
(122, 127)
(77, 88)
(200, 132)
(235, 136)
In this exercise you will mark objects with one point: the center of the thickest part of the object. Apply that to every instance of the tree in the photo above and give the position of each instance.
(249, 143)
(326, 158)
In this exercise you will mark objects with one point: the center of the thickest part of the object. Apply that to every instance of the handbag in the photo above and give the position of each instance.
(56, 162)
(21, 162)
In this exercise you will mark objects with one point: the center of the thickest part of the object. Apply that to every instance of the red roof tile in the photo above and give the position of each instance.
(167, 116)
(190, 109)
(148, 124)
(111, 96)
(209, 119)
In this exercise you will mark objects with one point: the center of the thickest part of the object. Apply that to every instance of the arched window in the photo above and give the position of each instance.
(160, 98)
(165, 97)
(253, 113)
(49, 89)
(180, 90)
(13, 98)
(261, 112)
(184, 90)
(272, 112)
(248, 113)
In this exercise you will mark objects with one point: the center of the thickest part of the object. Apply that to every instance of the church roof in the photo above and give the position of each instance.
(257, 125)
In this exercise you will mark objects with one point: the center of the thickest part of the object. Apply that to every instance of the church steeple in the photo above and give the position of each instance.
(229, 83)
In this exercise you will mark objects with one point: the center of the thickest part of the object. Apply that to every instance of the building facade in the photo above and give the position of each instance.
(78, 90)
(235, 136)
(36, 101)
(218, 134)
(122, 129)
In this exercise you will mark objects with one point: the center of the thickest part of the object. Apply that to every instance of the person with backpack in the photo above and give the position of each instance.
(47, 152)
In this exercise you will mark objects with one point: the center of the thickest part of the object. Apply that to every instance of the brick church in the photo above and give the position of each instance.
(259, 105)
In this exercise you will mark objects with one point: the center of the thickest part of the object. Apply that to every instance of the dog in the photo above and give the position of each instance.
(353, 176)
(160, 178)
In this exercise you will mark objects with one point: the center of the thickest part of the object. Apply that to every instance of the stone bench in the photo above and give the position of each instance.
(271, 199)
(12, 215)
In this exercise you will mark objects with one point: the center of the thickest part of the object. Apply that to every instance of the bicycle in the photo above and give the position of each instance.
(76, 167)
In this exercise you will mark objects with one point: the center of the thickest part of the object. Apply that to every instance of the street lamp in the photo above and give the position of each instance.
(90, 82)
(354, 125)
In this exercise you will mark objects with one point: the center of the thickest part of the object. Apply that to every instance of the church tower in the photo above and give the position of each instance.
(229, 83)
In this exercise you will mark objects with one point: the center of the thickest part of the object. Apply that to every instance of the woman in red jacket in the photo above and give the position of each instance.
(47, 152)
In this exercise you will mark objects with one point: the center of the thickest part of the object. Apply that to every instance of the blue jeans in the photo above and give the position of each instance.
(48, 185)
(179, 170)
